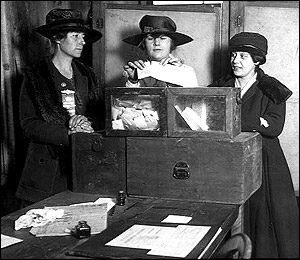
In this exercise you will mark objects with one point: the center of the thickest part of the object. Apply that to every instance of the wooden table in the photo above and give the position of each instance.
(217, 215)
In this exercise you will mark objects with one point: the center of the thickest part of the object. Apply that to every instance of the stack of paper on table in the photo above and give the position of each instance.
(94, 214)
(162, 241)
(60, 220)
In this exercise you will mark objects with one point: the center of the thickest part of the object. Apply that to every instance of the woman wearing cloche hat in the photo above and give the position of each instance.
(271, 215)
(158, 37)
(59, 97)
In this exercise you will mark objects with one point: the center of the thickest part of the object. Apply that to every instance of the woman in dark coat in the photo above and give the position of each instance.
(271, 214)
(59, 96)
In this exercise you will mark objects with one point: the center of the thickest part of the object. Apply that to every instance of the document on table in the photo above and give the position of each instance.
(109, 201)
(163, 241)
(46, 223)
(177, 219)
(7, 240)
(94, 214)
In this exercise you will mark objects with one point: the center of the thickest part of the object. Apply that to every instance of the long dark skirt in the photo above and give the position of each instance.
(271, 213)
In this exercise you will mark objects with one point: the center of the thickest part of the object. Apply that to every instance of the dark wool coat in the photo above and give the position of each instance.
(44, 121)
(271, 213)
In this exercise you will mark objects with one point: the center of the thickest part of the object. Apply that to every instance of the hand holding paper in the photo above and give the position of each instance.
(179, 75)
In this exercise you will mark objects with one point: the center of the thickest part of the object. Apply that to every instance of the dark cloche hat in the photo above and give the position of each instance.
(251, 42)
(158, 25)
(67, 20)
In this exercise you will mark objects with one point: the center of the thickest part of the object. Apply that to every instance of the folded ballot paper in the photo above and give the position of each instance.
(168, 73)
(194, 121)
(60, 220)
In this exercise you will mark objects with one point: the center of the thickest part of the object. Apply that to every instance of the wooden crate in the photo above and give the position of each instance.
(200, 169)
(127, 110)
(204, 112)
(98, 164)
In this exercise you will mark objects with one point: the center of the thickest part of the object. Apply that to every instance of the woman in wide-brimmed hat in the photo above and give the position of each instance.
(271, 214)
(159, 38)
(59, 96)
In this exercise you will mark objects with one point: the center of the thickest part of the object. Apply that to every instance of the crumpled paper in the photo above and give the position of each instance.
(37, 217)
(135, 114)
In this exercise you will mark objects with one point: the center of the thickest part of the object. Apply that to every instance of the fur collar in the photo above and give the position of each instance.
(271, 87)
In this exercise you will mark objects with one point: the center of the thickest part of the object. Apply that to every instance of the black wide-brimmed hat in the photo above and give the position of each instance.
(150, 24)
(67, 20)
(251, 42)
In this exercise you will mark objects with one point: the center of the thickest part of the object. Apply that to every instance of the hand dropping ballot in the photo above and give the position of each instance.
(169, 73)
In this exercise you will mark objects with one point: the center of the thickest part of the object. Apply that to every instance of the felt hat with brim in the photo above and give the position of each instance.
(67, 20)
(150, 24)
(251, 42)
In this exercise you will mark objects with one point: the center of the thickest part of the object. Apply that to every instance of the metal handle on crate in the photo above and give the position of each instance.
(181, 171)
(97, 144)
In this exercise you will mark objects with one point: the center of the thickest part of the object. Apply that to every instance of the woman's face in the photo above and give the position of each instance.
(158, 47)
(72, 44)
(242, 64)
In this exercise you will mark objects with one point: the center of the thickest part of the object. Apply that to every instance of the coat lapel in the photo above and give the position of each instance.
(250, 92)
(81, 89)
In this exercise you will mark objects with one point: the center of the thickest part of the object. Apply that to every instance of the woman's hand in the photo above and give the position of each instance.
(171, 60)
(131, 67)
(79, 123)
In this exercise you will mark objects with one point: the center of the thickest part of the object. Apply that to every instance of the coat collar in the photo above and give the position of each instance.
(270, 87)
(273, 88)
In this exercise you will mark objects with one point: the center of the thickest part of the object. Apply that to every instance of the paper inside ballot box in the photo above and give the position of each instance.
(94, 214)
(192, 119)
